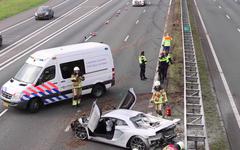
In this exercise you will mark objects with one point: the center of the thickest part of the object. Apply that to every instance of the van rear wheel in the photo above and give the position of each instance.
(98, 90)
(34, 106)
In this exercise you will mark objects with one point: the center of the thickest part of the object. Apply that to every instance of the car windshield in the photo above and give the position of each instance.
(142, 121)
(28, 73)
(42, 9)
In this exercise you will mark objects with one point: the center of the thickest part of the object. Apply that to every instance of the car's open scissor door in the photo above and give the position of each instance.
(94, 117)
(129, 100)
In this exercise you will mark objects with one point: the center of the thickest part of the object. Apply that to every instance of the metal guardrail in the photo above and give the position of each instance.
(195, 136)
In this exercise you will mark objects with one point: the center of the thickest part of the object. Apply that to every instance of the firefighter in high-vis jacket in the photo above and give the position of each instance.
(159, 98)
(77, 79)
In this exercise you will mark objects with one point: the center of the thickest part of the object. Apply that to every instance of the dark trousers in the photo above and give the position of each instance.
(166, 48)
(162, 73)
(142, 71)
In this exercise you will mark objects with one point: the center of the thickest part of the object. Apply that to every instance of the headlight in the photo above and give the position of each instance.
(35, 14)
(16, 97)
(46, 13)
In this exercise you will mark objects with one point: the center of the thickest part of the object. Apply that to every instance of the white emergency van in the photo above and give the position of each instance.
(45, 76)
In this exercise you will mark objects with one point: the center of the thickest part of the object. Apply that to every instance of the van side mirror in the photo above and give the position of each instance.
(40, 80)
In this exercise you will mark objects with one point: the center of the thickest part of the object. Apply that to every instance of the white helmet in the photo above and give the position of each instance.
(181, 145)
(76, 69)
(157, 83)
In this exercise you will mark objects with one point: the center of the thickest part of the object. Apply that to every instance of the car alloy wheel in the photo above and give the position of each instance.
(138, 143)
(81, 133)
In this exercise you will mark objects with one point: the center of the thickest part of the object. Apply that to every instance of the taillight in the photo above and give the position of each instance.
(113, 73)
(113, 76)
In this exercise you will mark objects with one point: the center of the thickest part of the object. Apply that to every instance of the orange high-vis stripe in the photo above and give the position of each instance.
(167, 38)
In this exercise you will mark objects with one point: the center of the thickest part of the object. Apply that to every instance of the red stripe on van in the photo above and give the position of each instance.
(32, 90)
(52, 85)
(45, 86)
(26, 93)
(40, 89)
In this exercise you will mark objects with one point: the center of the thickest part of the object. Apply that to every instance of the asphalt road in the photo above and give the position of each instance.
(222, 21)
(128, 31)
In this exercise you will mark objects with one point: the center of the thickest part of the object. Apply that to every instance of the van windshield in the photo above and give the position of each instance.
(28, 73)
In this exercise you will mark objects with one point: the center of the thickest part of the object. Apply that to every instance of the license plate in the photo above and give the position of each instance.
(5, 104)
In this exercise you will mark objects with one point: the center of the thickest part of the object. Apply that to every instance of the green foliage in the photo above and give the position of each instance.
(12, 7)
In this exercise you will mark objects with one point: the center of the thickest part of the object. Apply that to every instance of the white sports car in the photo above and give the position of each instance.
(138, 2)
(125, 128)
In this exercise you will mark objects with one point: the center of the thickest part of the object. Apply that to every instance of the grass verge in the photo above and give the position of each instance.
(215, 131)
(175, 82)
(175, 73)
(12, 7)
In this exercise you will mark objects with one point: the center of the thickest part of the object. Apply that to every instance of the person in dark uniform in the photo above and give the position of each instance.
(164, 61)
(142, 63)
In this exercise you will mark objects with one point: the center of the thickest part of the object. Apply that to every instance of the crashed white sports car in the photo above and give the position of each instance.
(124, 127)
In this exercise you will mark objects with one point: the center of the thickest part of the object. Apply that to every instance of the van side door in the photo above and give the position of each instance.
(66, 70)
(47, 85)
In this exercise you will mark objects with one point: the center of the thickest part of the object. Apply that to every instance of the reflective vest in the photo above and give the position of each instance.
(142, 59)
(164, 97)
(165, 58)
(168, 58)
(167, 41)
(157, 98)
(77, 81)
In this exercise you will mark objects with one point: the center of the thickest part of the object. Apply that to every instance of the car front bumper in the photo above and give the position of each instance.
(42, 16)
(7, 103)
(162, 138)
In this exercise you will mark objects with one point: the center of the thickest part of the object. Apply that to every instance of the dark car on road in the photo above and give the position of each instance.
(0, 40)
(44, 12)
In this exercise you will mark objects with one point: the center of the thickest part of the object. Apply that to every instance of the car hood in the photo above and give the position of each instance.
(14, 87)
(41, 12)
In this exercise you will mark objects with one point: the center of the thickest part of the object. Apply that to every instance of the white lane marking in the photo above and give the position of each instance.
(88, 38)
(22, 22)
(3, 112)
(40, 30)
(125, 40)
(39, 43)
(229, 94)
(228, 17)
(67, 128)
(48, 38)
(219, 6)
(238, 29)
(144, 10)
(137, 21)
